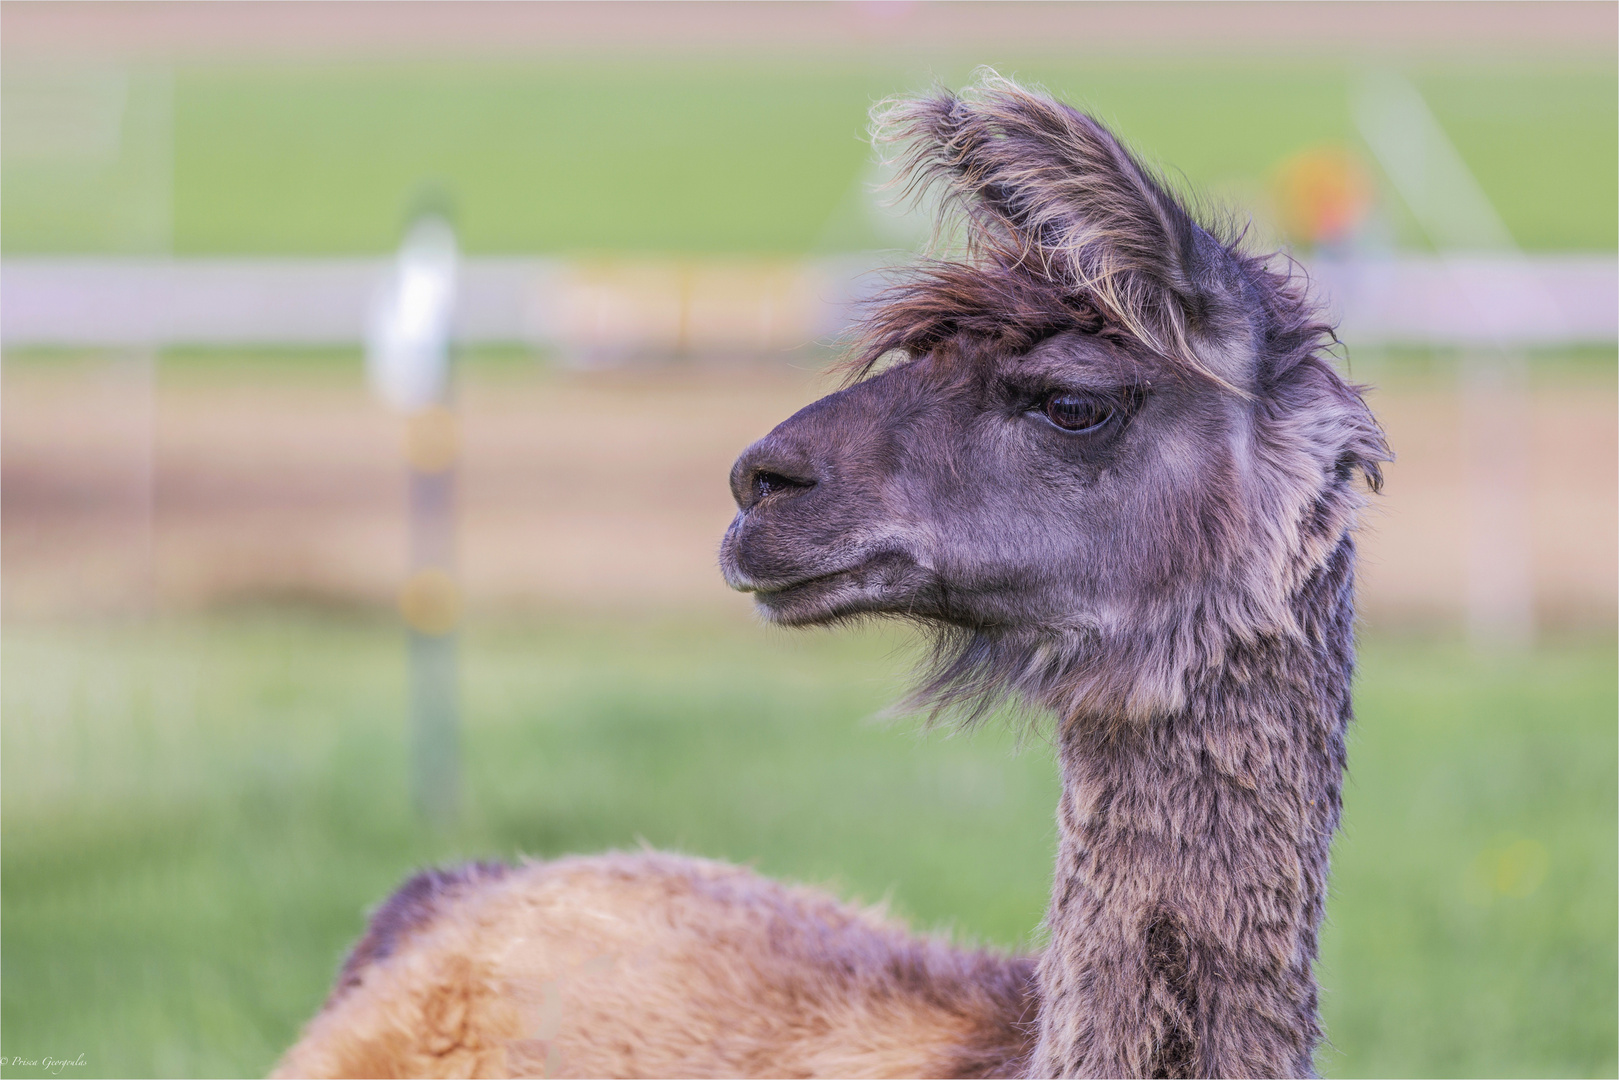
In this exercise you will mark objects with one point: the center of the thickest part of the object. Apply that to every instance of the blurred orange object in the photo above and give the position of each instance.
(1324, 194)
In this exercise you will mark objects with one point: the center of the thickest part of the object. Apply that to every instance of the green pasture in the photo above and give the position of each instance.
(705, 155)
(198, 812)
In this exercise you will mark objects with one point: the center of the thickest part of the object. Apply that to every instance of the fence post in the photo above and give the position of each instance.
(408, 360)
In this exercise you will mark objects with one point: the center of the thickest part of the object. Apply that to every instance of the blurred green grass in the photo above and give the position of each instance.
(198, 811)
(716, 155)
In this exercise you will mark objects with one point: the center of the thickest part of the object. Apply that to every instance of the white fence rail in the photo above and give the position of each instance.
(604, 309)
(1483, 300)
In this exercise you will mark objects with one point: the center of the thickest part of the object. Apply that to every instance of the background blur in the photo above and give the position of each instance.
(663, 213)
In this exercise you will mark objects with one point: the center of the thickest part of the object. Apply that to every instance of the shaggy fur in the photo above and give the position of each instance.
(1192, 866)
(1170, 575)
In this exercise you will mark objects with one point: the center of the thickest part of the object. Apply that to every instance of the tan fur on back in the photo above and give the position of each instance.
(655, 965)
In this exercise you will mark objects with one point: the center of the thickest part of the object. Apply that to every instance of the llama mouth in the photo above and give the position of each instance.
(888, 581)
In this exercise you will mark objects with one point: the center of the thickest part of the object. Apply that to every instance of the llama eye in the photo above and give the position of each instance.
(1076, 412)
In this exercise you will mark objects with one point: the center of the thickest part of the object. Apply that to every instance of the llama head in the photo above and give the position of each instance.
(1091, 453)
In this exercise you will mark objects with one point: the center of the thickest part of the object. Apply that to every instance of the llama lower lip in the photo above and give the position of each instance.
(879, 583)
(803, 587)
(810, 602)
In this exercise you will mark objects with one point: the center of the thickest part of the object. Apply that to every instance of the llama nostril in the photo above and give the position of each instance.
(770, 467)
(767, 483)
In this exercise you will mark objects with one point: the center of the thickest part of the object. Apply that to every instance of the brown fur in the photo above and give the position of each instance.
(414, 907)
(655, 965)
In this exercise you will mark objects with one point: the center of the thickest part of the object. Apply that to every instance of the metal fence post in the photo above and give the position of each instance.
(408, 360)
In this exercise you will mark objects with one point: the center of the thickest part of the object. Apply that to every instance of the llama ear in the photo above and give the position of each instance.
(1048, 191)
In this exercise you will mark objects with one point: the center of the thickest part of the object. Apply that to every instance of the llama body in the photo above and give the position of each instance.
(656, 965)
(1114, 476)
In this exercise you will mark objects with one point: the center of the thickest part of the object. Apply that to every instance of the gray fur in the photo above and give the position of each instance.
(1175, 585)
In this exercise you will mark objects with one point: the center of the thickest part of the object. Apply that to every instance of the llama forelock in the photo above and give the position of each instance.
(1040, 190)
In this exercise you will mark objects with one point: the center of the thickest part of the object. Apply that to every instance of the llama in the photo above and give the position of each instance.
(1100, 456)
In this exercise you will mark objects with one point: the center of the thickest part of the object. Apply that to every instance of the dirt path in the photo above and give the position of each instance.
(603, 490)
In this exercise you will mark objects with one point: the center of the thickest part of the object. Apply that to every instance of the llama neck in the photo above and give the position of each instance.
(1192, 865)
